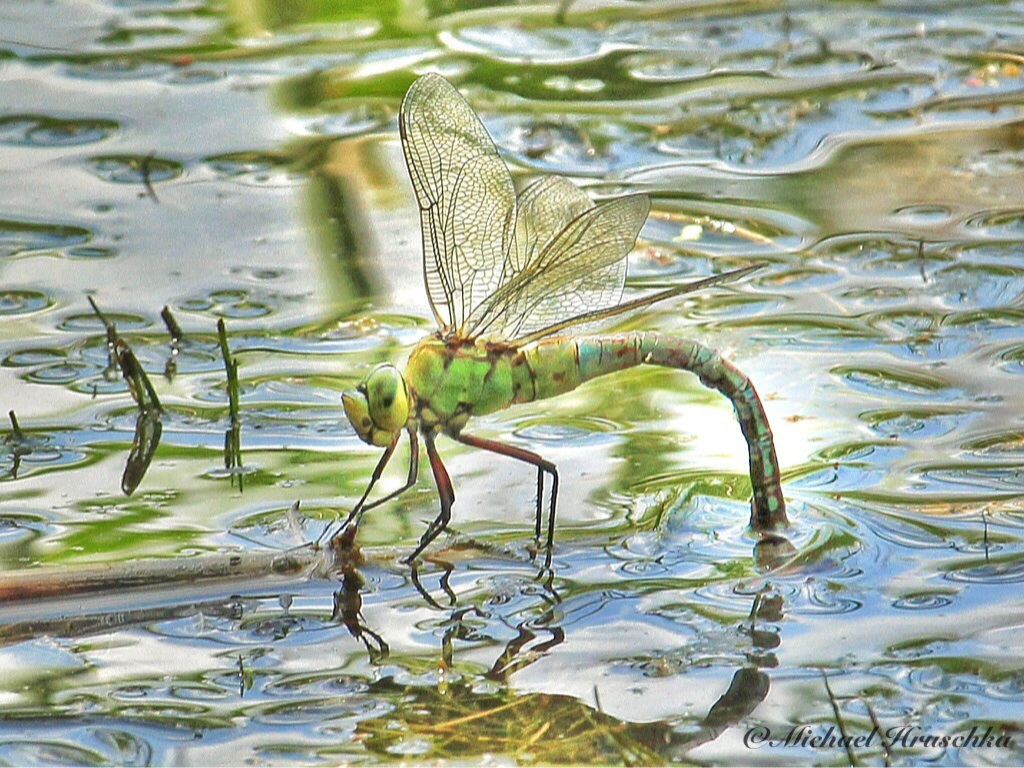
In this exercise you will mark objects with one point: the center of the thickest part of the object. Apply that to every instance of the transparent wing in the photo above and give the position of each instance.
(604, 313)
(543, 210)
(581, 269)
(466, 198)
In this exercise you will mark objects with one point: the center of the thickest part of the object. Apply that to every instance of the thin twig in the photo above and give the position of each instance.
(881, 733)
(172, 325)
(231, 368)
(839, 720)
(139, 384)
(146, 170)
(448, 725)
(16, 436)
(232, 437)
(107, 324)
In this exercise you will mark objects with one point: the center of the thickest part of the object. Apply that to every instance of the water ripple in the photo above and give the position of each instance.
(923, 602)
(23, 302)
(1010, 571)
(134, 169)
(43, 131)
(23, 237)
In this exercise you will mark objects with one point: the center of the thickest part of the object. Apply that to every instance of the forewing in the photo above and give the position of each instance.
(581, 269)
(465, 194)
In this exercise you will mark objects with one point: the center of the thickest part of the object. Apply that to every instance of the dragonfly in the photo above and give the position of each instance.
(507, 276)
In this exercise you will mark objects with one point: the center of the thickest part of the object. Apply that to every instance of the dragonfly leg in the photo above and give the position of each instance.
(444, 491)
(542, 465)
(410, 481)
(540, 502)
(377, 472)
(358, 510)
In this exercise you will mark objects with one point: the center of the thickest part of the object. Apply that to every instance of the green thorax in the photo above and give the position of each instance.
(454, 380)
(451, 381)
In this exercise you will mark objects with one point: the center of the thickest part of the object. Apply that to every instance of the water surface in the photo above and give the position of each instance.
(242, 163)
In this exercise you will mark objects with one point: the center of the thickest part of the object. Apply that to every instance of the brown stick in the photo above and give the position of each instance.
(80, 581)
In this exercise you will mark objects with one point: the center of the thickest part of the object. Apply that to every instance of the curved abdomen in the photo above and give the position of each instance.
(561, 364)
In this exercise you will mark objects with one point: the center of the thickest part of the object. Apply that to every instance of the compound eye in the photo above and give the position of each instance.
(388, 398)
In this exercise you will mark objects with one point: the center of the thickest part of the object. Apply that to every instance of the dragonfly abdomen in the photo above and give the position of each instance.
(559, 365)
(562, 364)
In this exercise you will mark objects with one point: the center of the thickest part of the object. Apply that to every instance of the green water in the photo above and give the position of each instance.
(241, 162)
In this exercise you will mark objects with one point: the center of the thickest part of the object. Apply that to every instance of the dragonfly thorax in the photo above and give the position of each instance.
(451, 380)
(379, 407)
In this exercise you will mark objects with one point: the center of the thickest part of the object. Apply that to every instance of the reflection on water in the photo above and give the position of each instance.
(515, 619)
(244, 165)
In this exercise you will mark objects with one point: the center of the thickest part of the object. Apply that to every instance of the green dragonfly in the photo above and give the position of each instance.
(506, 275)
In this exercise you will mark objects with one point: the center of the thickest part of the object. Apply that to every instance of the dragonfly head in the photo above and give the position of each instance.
(379, 407)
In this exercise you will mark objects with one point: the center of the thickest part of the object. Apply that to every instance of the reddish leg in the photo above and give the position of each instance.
(542, 465)
(444, 491)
